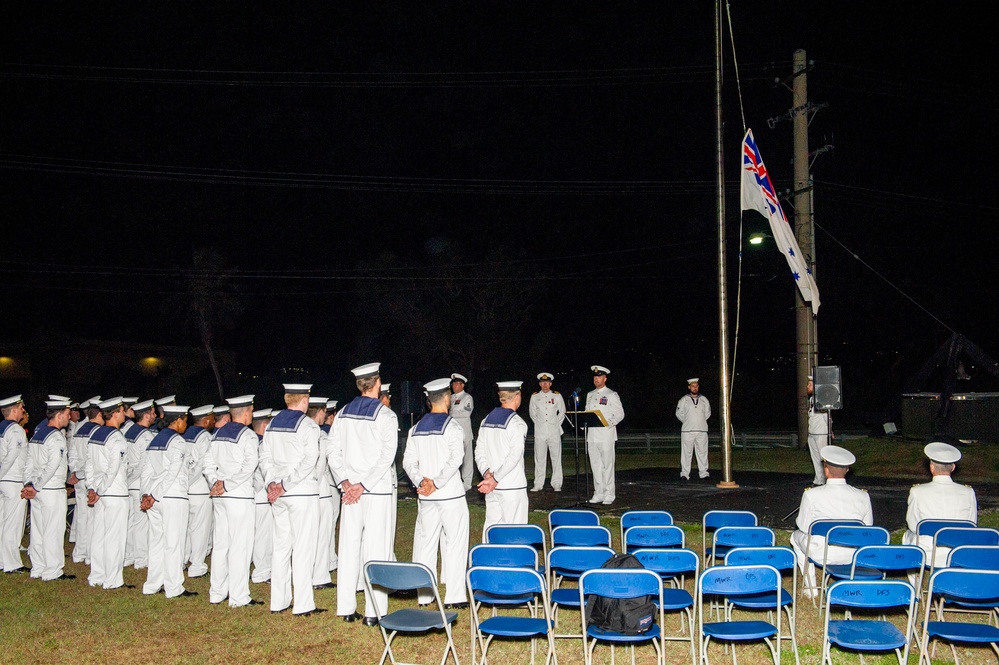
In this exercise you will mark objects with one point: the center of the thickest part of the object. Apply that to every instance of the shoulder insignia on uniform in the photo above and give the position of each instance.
(534, 393)
(555, 391)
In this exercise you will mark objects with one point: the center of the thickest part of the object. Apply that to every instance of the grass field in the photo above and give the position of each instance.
(68, 622)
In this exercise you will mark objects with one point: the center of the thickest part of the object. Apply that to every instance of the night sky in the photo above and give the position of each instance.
(495, 189)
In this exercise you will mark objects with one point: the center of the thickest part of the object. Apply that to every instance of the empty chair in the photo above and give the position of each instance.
(715, 519)
(729, 537)
(406, 576)
(926, 531)
(674, 565)
(581, 536)
(644, 518)
(850, 537)
(519, 534)
(968, 586)
(621, 583)
(975, 557)
(643, 537)
(567, 517)
(569, 563)
(949, 537)
(875, 562)
(506, 556)
(781, 558)
(721, 583)
(516, 582)
(814, 552)
(864, 634)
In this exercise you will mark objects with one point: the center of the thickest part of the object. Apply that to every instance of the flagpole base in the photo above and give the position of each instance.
(727, 485)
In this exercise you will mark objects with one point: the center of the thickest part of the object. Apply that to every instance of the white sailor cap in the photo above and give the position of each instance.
(836, 456)
(142, 406)
(318, 401)
(57, 397)
(162, 401)
(599, 370)
(110, 403)
(364, 371)
(10, 401)
(129, 401)
(262, 413)
(458, 377)
(509, 385)
(330, 404)
(74, 405)
(545, 376)
(202, 411)
(85, 404)
(223, 408)
(57, 404)
(386, 388)
(693, 380)
(173, 411)
(235, 403)
(297, 388)
(942, 453)
(437, 386)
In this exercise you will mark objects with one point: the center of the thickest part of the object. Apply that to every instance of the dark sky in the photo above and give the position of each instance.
(347, 165)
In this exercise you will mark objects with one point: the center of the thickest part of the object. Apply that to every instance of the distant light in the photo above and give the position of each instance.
(6, 361)
(756, 239)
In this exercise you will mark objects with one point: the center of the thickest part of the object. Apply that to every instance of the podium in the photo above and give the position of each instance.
(586, 420)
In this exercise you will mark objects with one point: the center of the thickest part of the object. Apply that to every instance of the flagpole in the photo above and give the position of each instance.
(726, 442)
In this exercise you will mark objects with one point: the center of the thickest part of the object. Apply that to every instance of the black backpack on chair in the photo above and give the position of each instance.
(629, 616)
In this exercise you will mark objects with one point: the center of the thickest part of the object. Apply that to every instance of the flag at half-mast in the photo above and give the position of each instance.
(758, 194)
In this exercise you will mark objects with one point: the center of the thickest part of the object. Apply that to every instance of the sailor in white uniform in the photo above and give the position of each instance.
(321, 578)
(818, 434)
(290, 451)
(432, 460)
(547, 409)
(107, 476)
(939, 499)
(139, 436)
(229, 467)
(499, 454)
(164, 480)
(693, 410)
(82, 513)
(222, 417)
(385, 395)
(199, 525)
(129, 423)
(335, 491)
(45, 472)
(835, 500)
(13, 455)
(263, 523)
(362, 446)
(461, 410)
(600, 441)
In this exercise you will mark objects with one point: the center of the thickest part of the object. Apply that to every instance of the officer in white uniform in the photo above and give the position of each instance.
(290, 451)
(229, 467)
(13, 455)
(499, 454)
(199, 525)
(693, 410)
(139, 436)
(362, 446)
(939, 499)
(263, 523)
(818, 434)
(600, 440)
(83, 514)
(461, 410)
(434, 451)
(547, 410)
(321, 578)
(107, 474)
(45, 472)
(164, 480)
(835, 500)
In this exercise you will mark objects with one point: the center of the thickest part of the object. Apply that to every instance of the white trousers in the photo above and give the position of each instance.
(232, 549)
(167, 533)
(48, 529)
(449, 517)
(542, 447)
(505, 507)
(263, 542)
(468, 461)
(816, 442)
(82, 523)
(199, 529)
(296, 531)
(137, 540)
(109, 527)
(12, 512)
(602, 462)
(324, 543)
(364, 536)
(694, 443)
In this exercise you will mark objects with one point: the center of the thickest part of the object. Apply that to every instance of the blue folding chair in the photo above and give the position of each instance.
(781, 558)
(502, 556)
(519, 534)
(658, 537)
(581, 536)
(621, 583)
(721, 583)
(516, 582)
(819, 529)
(848, 536)
(400, 576)
(727, 538)
(876, 562)
(715, 519)
(644, 518)
(571, 517)
(674, 565)
(569, 563)
(927, 531)
(974, 557)
(869, 635)
(967, 586)
(948, 537)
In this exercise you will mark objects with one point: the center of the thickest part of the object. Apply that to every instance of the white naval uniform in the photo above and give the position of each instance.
(263, 523)
(82, 513)
(434, 449)
(327, 517)
(137, 541)
(362, 446)
(13, 455)
(500, 449)
(547, 411)
(693, 412)
(818, 438)
(164, 477)
(600, 441)
(833, 501)
(939, 499)
(291, 448)
(108, 476)
(232, 458)
(199, 525)
(461, 410)
(45, 469)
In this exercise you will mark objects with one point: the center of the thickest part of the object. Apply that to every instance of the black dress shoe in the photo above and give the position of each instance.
(254, 601)
(404, 593)
(456, 606)
(287, 609)
(128, 586)
(17, 571)
(327, 585)
(350, 618)
(318, 610)
(370, 621)
(188, 594)
(64, 576)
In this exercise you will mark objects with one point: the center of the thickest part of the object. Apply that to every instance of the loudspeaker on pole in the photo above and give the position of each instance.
(411, 398)
(827, 387)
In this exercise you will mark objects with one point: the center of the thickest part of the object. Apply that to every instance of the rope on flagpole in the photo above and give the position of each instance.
(738, 288)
